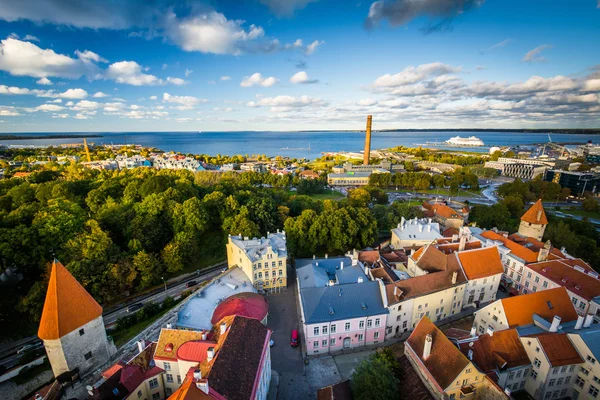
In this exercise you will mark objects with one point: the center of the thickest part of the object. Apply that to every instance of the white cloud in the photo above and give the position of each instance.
(153, 97)
(9, 111)
(188, 72)
(87, 55)
(73, 94)
(302, 77)
(60, 116)
(412, 74)
(130, 73)
(186, 102)
(286, 103)
(81, 116)
(86, 105)
(26, 59)
(49, 107)
(535, 54)
(68, 94)
(212, 32)
(57, 101)
(312, 47)
(592, 85)
(225, 78)
(257, 79)
(31, 38)
(99, 95)
(176, 81)
(44, 81)
(366, 102)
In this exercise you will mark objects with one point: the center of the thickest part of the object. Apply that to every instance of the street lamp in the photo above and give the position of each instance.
(165, 282)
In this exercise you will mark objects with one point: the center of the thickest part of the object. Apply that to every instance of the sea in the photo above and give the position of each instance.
(300, 144)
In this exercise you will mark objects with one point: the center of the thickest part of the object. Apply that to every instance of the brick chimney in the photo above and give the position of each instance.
(555, 323)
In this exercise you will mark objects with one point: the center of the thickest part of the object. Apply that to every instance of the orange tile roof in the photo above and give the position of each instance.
(170, 340)
(531, 215)
(189, 391)
(450, 248)
(385, 274)
(519, 310)
(445, 211)
(451, 231)
(481, 263)
(515, 248)
(445, 361)
(535, 245)
(422, 285)
(21, 174)
(68, 305)
(565, 275)
(417, 254)
(559, 349)
(368, 256)
(502, 350)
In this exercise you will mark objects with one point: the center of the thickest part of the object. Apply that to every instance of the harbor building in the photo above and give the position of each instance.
(264, 260)
(517, 170)
(577, 182)
(71, 326)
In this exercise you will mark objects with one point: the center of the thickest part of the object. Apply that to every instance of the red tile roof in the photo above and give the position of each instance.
(386, 274)
(68, 305)
(559, 349)
(535, 214)
(565, 275)
(519, 310)
(247, 304)
(195, 351)
(421, 285)
(449, 248)
(451, 231)
(522, 252)
(502, 350)
(481, 263)
(368, 256)
(445, 361)
(170, 340)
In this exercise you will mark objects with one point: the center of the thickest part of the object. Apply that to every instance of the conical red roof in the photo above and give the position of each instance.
(68, 305)
(534, 216)
(245, 304)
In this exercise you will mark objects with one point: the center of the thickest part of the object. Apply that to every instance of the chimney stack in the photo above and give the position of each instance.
(579, 322)
(463, 242)
(555, 323)
(223, 327)
(141, 345)
(470, 353)
(341, 265)
(473, 331)
(454, 277)
(539, 215)
(490, 331)
(427, 347)
(197, 374)
(368, 141)
(210, 353)
(588, 320)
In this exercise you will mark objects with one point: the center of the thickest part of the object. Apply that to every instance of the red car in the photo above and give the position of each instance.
(294, 339)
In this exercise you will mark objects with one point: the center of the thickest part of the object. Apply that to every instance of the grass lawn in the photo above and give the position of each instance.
(123, 336)
(581, 213)
(31, 373)
(327, 196)
(204, 263)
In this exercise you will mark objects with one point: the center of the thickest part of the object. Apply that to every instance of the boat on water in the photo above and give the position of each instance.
(471, 141)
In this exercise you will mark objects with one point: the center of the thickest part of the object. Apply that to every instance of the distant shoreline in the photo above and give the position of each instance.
(583, 131)
(17, 137)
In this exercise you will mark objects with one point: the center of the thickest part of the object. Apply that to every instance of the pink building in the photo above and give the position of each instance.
(340, 307)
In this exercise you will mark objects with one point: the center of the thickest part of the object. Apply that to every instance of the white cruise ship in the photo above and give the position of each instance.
(469, 142)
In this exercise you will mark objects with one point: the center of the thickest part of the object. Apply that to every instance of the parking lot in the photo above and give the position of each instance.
(286, 360)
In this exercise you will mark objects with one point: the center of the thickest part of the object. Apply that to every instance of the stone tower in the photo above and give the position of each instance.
(71, 326)
(534, 221)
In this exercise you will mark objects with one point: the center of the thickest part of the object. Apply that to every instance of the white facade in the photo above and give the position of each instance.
(82, 348)
(482, 290)
(415, 232)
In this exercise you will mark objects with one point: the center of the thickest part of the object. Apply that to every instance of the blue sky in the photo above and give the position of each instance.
(297, 64)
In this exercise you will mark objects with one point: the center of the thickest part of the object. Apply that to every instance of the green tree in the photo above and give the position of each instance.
(374, 379)
(359, 198)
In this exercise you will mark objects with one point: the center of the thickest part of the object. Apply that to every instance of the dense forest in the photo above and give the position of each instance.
(122, 232)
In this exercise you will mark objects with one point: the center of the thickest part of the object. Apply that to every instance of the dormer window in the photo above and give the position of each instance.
(81, 332)
(169, 347)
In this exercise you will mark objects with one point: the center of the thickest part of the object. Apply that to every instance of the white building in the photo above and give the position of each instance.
(415, 233)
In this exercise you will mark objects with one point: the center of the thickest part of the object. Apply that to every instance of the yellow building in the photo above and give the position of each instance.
(445, 371)
(263, 260)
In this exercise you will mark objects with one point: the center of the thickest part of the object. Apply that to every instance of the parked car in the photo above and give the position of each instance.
(134, 307)
(191, 283)
(31, 346)
(294, 339)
